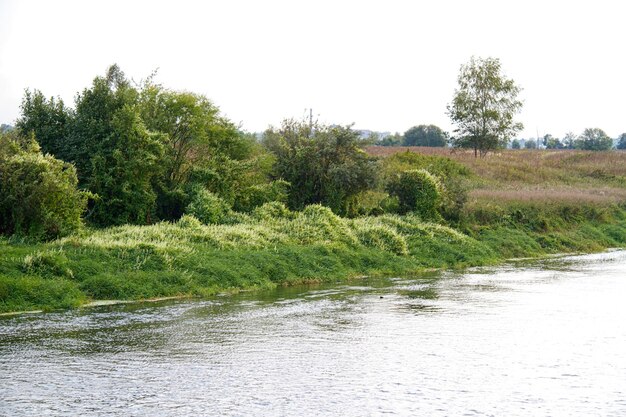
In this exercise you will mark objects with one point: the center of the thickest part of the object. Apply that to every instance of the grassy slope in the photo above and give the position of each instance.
(133, 262)
(513, 211)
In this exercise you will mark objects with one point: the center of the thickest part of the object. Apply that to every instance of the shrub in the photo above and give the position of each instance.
(418, 191)
(259, 194)
(452, 176)
(271, 211)
(207, 207)
(367, 203)
(188, 221)
(38, 193)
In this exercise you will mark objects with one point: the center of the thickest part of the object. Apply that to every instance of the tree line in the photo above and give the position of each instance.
(140, 153)
(591, 139)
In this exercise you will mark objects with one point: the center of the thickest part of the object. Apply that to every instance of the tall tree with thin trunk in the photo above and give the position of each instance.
(484, 106)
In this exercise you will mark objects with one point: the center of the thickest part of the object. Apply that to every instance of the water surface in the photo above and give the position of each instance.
(544, 339)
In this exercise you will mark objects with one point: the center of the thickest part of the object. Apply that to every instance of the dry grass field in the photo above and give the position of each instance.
(567, 176)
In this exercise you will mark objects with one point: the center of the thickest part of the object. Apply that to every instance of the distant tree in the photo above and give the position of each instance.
(515, 144)
(530, 144)
(483, 106)
(621, 141)
(4, 128)
(594, 139)
(569, 140)
(323, 164)
(391, 140)
(550, 142)
(425, 135)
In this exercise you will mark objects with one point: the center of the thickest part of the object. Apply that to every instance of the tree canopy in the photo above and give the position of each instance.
(621, 141)
(484, 106)
(323, 164)
(143, 150)
(425, 135)
(594, 139)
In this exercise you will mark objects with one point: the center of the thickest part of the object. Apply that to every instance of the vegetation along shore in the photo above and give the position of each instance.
(138, 191)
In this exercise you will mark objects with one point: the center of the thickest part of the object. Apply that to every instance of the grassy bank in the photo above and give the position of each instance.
(520, 204)
(277, 247)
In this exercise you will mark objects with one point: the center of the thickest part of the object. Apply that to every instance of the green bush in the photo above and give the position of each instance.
(207, 207)
(272, 211)
(259, 194)
(453, 177)
(418, 191)
(188, 221)
(38, 193)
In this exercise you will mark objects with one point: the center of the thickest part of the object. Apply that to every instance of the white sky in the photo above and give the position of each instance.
(383, 65)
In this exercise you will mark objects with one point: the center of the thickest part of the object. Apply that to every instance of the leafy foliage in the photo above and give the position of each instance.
(452, 176)
(38, 193)
(47, 119)
(594, 140)
(207, 207)
(418, 191)
(142, 149)
(621, 141)
(425, 135)
(323, 164)
(483, 106)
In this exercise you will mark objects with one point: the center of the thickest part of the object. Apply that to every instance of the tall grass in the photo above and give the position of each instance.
(521, 175)
(273, 246)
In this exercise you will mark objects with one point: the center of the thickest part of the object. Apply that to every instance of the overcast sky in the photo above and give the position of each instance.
(382, 65)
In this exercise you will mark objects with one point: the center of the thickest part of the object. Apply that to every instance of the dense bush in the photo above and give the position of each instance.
(418, 191)
(260, 194)
(207, 207)
(38, 193)
(452, 175)
(324, 164)
(142, 148)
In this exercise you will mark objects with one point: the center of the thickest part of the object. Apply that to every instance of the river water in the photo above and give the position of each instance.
(545, 338)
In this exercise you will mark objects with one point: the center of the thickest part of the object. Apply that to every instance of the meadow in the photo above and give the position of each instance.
(535, 175)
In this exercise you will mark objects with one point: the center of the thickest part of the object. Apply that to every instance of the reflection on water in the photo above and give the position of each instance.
(543, 338)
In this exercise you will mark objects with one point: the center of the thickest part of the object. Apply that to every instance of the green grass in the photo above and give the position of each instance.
(284, 248)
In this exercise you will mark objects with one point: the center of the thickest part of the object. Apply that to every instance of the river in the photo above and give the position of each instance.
(541, 338)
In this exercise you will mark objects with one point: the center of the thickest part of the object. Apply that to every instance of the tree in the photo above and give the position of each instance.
(391, 140)
(515, 144)
(569, 140)
(425, 135)
(530, 144)
(594, 139)
(483, 106)
(621, 141)
(48, 119)
(550, 142)
(323, 164)
(202, 148)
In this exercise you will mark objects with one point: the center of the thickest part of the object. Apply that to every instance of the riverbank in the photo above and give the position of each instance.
(274, 247)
